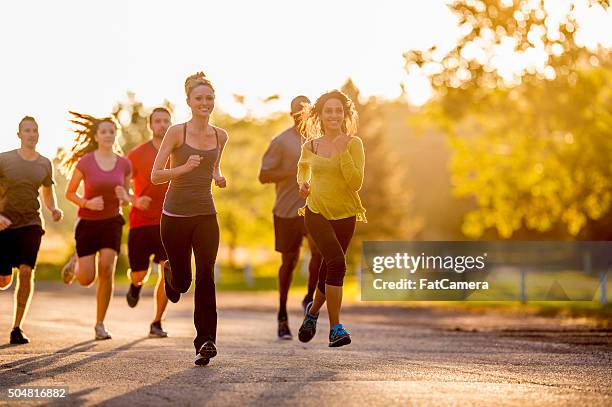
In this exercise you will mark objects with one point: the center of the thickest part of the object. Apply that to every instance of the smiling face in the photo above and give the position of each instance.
(332, 115)
(106, 134)
(201, 100)
(28, 133)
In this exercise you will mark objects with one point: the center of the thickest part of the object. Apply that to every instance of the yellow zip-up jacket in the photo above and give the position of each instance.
(334, 181)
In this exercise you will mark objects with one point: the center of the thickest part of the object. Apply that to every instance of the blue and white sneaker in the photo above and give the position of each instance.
(338, 336)
(309, 326)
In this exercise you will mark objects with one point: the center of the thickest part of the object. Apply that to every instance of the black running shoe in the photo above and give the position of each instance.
(307, 300)
(283, 329)
(206, 353)
(18, 337)
(156, 330)
(201, 360)
(171, 293)
(133, 295)
(309, 326)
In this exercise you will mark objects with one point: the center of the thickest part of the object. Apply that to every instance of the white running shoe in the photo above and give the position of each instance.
(101, 332)
(68, 274)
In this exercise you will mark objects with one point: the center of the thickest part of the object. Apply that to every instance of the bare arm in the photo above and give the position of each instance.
(50, 201)
(94, 204)
(123, 193)
(270, 163)
(71, 189)
(160, 175)
(217, 175)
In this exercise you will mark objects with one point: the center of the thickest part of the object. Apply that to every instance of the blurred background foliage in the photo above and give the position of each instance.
(496, 153)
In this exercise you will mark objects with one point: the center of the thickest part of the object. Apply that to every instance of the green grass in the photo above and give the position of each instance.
(265, 279)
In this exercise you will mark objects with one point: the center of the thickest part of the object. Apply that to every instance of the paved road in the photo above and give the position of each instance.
(399, 356)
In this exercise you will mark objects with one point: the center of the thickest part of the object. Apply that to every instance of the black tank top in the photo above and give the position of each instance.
(191, 194)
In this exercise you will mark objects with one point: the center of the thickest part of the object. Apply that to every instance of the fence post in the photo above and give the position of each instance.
(603, 287)
(586, 262)
(522, 294)
(248, 275)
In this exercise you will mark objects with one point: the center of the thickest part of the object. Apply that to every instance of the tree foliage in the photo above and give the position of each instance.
(528, 108)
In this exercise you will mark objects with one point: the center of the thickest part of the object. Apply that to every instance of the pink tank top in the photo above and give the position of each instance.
(102, 183)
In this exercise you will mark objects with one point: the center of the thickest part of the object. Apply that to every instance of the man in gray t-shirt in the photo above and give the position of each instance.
(22, 173)
(279, 166)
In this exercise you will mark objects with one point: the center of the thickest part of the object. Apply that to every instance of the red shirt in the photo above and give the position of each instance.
(102, 183)
(142, 158)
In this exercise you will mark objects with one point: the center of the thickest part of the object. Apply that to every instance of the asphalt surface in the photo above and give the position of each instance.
(399, 356)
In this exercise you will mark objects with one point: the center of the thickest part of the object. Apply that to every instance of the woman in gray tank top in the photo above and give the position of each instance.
(189, 218)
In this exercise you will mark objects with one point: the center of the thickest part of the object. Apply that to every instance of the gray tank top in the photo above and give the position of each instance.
(191, 194)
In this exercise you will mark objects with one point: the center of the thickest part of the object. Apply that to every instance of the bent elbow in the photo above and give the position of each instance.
(355, 184)
(262, 178)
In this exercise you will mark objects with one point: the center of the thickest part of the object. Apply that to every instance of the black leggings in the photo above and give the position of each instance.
(332, 238)
(313, 270)
(200, 233)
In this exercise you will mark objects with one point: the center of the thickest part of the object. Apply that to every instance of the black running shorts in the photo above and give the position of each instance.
(288, 234)
(93, 235)
(144, 242)
(19, 246)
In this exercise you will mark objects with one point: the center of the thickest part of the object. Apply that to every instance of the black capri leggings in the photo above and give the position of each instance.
(200, 233)
(332, 238)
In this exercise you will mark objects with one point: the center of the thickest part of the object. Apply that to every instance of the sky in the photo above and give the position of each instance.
(85, 55)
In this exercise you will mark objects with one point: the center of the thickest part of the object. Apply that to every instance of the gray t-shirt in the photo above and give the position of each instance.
(281, 160)
(20, 180)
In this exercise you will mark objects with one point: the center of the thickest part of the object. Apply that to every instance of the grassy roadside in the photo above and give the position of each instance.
(263, 278)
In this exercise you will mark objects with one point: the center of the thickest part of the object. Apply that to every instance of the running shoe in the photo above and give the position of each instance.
(309, 325)
(283, 329)
(307, 300)
(156, 330)
(201, 360)
(68, 273)
(338, 336)
(173, 295)
(18, 337)
(101, 332)
(133, 295)
(206, 353)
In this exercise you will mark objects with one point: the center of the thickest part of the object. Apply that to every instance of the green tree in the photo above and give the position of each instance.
(384, 194)
(532, 145)
(133, 117)
(245, 206)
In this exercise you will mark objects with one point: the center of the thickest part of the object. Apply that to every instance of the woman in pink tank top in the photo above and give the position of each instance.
(95, 161)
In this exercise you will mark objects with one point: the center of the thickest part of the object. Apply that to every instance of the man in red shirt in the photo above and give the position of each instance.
(144, 239)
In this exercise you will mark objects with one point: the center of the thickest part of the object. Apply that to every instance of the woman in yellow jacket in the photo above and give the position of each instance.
(330, 172)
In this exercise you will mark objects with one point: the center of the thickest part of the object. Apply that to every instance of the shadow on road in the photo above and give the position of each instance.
(202, 385)
(24, 371)
(75, 399)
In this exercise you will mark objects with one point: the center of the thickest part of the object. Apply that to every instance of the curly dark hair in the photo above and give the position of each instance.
(311, 127)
